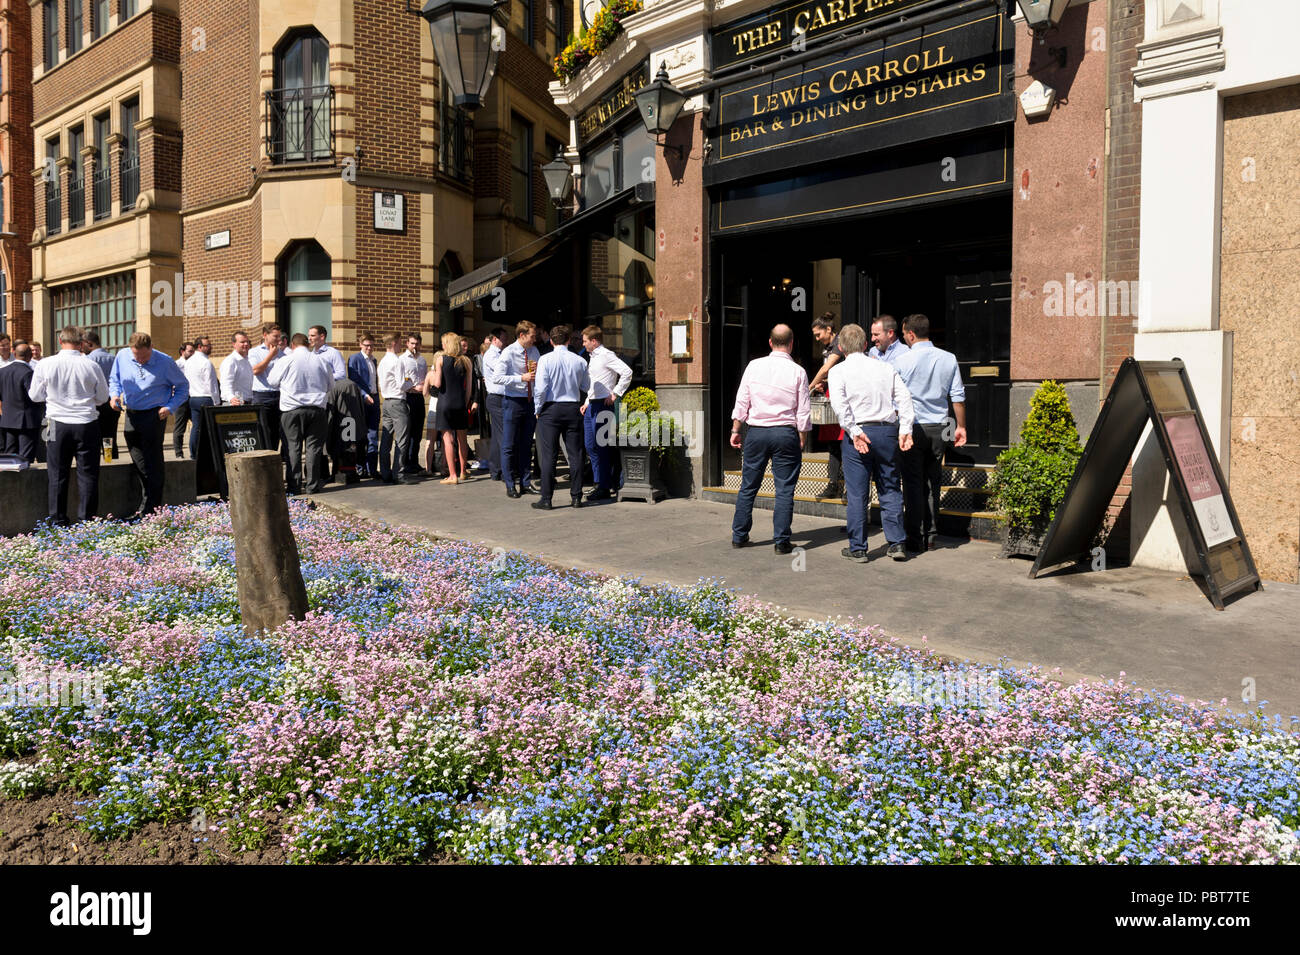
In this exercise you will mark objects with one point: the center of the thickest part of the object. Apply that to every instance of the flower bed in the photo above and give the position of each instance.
(446, 701)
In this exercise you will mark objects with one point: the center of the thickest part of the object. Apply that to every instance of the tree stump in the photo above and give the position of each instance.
(269, 576)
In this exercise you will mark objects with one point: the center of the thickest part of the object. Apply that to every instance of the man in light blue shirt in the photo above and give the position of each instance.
(562, 377)
(933, 379)
(518, 418)
(494, 405)
(148, 386)
(884, 335)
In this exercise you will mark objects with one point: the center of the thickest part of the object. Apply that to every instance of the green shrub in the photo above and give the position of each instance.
(640, 399)
(1032, 476)
(643, 424)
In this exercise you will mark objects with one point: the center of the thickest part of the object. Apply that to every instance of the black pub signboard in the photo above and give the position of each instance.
(226, 429)
(614, 105)
(944, 78)
(773, 29)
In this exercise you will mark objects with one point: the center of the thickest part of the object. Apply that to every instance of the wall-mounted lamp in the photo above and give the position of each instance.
(559, 178)
(466, 41)
(1043, 14)
(660, 103)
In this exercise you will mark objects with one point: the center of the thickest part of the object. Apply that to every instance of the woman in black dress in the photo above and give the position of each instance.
(451, 375)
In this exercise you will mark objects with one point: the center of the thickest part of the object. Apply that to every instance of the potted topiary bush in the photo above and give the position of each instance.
(652, 445)
(1032, 476)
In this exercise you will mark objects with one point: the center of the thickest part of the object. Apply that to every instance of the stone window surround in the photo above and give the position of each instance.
(42, 70)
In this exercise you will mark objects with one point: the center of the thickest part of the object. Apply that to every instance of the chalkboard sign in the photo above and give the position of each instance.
(1161, 393)
(227, 429)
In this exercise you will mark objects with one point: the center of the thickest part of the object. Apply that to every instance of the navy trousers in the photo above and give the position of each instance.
(518, 421)
(780, 446)
(598, 422)
(196, 419)
(80, 440)
(881, 464)
(497, 429)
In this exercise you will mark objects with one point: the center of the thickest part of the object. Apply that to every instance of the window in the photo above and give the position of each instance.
(299, 108)
(304, 279)
(53, 211)
(620, 163)
(556, 20)
(129, 171)
(74, 26)
(455, 138)
(76, 178)
(105, 305)
(521, 168)
(620, 293)
(598, 171)
(98, 18)
(521, 18)
(102, 184)
(51, 57)
(125, 10)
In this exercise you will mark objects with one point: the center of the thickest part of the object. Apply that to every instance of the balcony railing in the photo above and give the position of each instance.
(300, 124)
(76, 203)
(53, 211)
(130, 179)
(103, 192)
(456, 143)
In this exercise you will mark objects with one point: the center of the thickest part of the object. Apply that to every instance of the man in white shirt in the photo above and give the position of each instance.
(264, 358)
(497, 341)
(611, 377)
(6, 350)
(331, 356)
(205, 388)
(72, 387)
(876, 414)
(303, 381)
(236, 374)
(417, 367)
(182, 417)
(773, 400)
(395, 382)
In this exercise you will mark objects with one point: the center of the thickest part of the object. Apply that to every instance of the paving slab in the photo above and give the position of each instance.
(961, 599)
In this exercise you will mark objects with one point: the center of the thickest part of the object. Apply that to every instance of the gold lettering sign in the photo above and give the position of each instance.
(754, 36)
(614, 104)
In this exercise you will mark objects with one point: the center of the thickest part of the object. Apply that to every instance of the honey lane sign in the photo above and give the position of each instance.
(614, 105)
(777, 28)
(923, 82)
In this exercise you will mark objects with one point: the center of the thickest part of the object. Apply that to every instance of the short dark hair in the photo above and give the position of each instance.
(918, 325)
(824, 320)
(498, 332)
(319, 328)
(235, 335)
(270, 327)
(887, 323)
(298, 340)
(416, 336)
(87, 336)
(560, 335)
(4, 337)
(198, 342)
(391, 339)
(366, 337)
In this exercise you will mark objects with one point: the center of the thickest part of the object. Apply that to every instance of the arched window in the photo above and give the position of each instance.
(303, 276)
(300, 105)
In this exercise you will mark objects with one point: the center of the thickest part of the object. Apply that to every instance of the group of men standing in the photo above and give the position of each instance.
(560, 395)
(894, 429)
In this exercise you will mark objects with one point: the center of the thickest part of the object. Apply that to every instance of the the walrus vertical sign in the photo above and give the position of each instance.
(921, 82)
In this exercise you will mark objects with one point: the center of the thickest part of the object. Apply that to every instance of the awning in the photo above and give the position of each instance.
(474, 285)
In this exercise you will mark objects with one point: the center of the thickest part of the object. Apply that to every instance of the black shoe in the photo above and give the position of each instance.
(528, 489)
(577, 502)
(897, 551)
(387, 480)
(914, 546)
(512, 491)
(740, 543)
(600, 494)
(784, 547)
(857, 556)
(408, 479)
(541, 505)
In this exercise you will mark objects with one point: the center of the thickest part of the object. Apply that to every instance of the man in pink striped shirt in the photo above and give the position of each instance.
(773, 401)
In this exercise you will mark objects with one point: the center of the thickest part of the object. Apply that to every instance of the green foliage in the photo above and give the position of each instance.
(642, 424)
(1033, 475)
(641, 399)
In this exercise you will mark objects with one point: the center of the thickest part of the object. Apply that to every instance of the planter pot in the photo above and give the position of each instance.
(1021, 543)
(646, 477)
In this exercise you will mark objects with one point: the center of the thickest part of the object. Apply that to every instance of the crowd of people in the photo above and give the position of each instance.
(363, 418)
(894, 427)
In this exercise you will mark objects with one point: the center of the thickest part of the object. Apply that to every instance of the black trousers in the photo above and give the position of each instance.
(144, 434)
(81, 440)
(20, 441)
(108, 420)
(923, 481)
(179, 421)
(305, 429)
(271, 399)
(415, 401)
(560, 419)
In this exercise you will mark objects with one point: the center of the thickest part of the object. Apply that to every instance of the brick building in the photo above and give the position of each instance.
(15, 149)
(106, 151)
(328, 179)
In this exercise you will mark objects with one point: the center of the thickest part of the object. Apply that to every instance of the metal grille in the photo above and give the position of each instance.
(106, 305)
(300, 124)
(76, 203)
(103, 192)
(130, 178)
(53, 211)
(456, 142)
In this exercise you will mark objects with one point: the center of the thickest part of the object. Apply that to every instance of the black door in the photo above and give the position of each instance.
(979, 333)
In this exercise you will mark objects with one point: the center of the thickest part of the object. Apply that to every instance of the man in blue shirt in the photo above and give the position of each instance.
(518, 418)
(562, 377)
(885, 343)
(108, 415)
(933, 379)
(148, 386)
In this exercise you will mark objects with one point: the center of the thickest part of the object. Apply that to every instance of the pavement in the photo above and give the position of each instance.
(962, 599)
